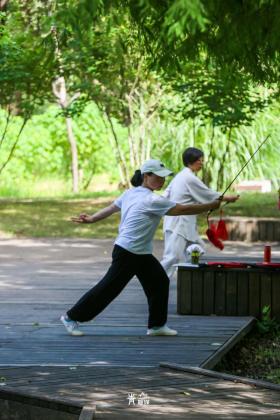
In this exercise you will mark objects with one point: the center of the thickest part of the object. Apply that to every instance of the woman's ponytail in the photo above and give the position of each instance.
(137, 178)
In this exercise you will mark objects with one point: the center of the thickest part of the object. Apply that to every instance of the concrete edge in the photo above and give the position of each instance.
(228, 345)
(219, 375)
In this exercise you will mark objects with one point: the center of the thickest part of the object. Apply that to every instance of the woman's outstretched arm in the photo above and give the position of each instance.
(99, 215)
(184, 209)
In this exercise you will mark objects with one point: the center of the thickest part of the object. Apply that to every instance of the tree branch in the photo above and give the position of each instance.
(6, 126)
(15, 144)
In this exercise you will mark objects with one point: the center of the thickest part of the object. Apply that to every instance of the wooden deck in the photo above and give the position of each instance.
(170, 394)
(40, 279)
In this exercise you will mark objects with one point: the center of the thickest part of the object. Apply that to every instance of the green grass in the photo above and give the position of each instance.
(254, 205)
(55, 188)
(50, 217)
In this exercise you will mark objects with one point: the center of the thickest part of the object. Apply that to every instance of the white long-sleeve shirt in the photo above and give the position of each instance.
(187, 188)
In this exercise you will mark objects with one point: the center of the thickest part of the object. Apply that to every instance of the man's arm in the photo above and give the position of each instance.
(230, 198)
(99, 215)
(185, 209)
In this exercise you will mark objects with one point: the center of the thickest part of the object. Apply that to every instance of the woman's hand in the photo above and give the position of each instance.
(101, 214)
(82, 218)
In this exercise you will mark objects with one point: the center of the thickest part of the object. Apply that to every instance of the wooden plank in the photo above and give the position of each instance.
(225, 348)
(240, 229)
(48, 402)
(254, 231)
(184, 292)
(265, 290)
(182, 393)
(254, 293)
(208, 292)
(270, 228)
(179, 291)
(220, 292)
(197, 292)
(87, 413)
(225, 376)
(249, 232)
(275, 293)
(242, 293)
(276, 233)
(262, 230)
(231, 293)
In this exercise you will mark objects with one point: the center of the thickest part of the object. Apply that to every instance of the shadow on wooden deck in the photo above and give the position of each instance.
(129, 393)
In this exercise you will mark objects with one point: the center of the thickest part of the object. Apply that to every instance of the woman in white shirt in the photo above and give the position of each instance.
(141, 211)
(185, 188)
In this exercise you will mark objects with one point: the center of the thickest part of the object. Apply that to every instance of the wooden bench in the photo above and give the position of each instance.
(211, 290)
(252, 229)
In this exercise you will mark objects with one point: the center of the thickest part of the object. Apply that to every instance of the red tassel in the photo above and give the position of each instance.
(214, 239)
(221, 231)
(213, 227)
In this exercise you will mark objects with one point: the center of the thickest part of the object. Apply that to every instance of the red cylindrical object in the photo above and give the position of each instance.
(267, 254)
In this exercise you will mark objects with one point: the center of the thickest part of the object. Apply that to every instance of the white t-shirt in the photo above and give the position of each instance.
(187, 188)
(141, 211)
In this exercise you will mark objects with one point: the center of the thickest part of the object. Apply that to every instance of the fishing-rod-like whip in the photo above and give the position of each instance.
(211, 234)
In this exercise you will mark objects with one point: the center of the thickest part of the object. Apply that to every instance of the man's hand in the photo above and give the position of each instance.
(82, 218)
(231, 198)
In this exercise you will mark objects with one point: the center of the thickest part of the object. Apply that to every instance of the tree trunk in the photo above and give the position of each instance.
(220, 180)
(3, 4)
(60, 91)
(123, 168)
(74, 156)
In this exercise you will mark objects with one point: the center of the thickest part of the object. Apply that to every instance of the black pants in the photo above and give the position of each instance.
(124, 266)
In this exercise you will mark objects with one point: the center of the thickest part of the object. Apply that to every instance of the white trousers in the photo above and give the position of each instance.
(175, 251)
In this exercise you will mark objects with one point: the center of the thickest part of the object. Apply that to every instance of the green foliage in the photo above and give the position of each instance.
(24, 69)
(43, 150)
(267, 324)
(225, 98)
(169, 139)
(105, 51)
(242, 33)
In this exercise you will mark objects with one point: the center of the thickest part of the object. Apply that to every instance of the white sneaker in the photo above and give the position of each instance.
(164, 330)
(72, 327)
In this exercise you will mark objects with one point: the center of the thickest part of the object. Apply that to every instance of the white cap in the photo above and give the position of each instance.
(156, 167)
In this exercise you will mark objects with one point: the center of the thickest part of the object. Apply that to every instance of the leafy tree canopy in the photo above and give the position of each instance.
(244, 33)
(224, 98)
